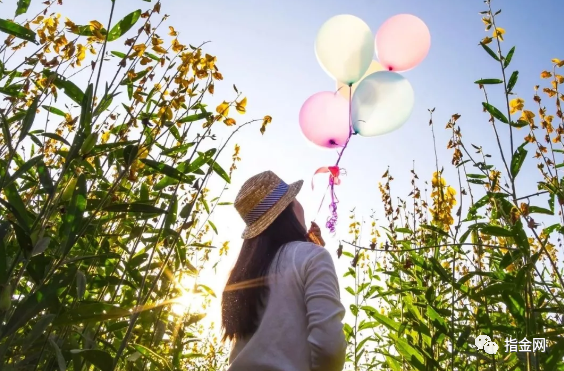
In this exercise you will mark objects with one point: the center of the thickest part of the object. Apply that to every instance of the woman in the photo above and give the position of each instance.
(281, 307)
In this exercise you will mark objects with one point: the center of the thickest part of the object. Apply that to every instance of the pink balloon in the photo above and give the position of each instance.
(402, 42)
(324, 119)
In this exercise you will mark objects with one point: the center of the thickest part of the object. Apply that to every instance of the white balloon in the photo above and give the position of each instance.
(344, 48)
(381, 103)
(344, 89)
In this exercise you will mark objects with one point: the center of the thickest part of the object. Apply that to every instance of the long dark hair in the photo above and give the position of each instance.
(246, 289)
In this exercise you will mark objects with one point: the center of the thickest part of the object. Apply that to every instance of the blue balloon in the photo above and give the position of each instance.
(382, 103)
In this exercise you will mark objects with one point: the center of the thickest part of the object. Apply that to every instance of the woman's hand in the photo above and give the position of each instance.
(314, 235)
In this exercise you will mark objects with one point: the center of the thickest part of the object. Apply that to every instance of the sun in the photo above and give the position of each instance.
(190, 299)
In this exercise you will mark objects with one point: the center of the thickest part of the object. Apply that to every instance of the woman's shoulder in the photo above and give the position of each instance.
(304, 251)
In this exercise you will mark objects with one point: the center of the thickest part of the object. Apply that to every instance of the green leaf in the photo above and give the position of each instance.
(129, 154)
(138, 76)
(124, 25)
(165, 169)
(15, 203)
(463, 336)
(152, 356)
(38, 329)
(519, 124)
(18, 31)
(29, 118)
(80, 285)
(518, 159)
(389, 323)
(512, 81)
(56, 137)
(34, 303)
(68, 87)
(411, 354)
(91, 312)
(490, 52)
(508, 58)
(104, 104)
(195, 117)
(495, 112)
(86, 30)
(6, 133)
(495, 289)
(54, 110)
(23, 5)
(32, 162)
(540, 210)
(172, 214)
(98, 358)
(212, 226)
(178, 149)
(488, 81)
(434, 229)
(494, 230)
(72, 220)
(119, 54)
(60, 359)
(134, 208)
(222, 173)
(515, 303)
(13, 91)
(23, 240)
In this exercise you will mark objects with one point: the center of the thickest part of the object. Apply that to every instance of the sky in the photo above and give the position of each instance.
(266, 48)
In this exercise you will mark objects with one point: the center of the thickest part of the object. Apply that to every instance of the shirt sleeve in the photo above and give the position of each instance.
(325, 313)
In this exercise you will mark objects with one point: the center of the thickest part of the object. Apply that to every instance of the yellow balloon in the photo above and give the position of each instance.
(343, 89)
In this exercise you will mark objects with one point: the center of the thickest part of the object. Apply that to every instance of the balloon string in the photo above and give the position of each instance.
(321, 204)
(332, 220)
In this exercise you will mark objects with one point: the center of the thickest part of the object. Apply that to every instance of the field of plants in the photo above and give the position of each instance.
(107, 153)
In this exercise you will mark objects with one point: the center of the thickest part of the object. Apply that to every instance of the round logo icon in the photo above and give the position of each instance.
(481, 341)
(491, 348)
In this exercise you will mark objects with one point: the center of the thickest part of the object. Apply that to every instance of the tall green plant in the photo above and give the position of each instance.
(107, 151)
(443, 277)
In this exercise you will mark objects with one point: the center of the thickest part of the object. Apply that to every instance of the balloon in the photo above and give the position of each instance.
(344, 48)
(324, 119)
(402, 42)
(343, 89)
(382, 102)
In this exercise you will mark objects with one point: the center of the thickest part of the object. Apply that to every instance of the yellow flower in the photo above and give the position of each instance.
(516, 105)
(528, 116)
(223, 109)
(229, 122)
(176, 46)
(545, 75)
(140, 49)
(240, 106)
(498, 33)
(80, 54)
(105, 137)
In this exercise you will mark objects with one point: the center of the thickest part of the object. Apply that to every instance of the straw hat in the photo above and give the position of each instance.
(261, 199)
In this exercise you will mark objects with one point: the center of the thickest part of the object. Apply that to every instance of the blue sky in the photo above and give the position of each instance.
(266, 49)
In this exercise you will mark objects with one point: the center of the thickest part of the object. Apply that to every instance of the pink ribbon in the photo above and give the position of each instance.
(334, 173)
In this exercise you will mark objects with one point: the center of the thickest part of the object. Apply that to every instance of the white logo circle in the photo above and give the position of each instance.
(491, 348)
(481, 340)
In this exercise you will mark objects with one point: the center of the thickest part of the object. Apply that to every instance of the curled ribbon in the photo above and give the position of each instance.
(334, 173)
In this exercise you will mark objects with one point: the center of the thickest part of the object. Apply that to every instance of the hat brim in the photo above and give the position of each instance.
(265, 220)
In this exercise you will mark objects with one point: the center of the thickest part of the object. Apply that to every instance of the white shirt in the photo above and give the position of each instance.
(301, 326)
